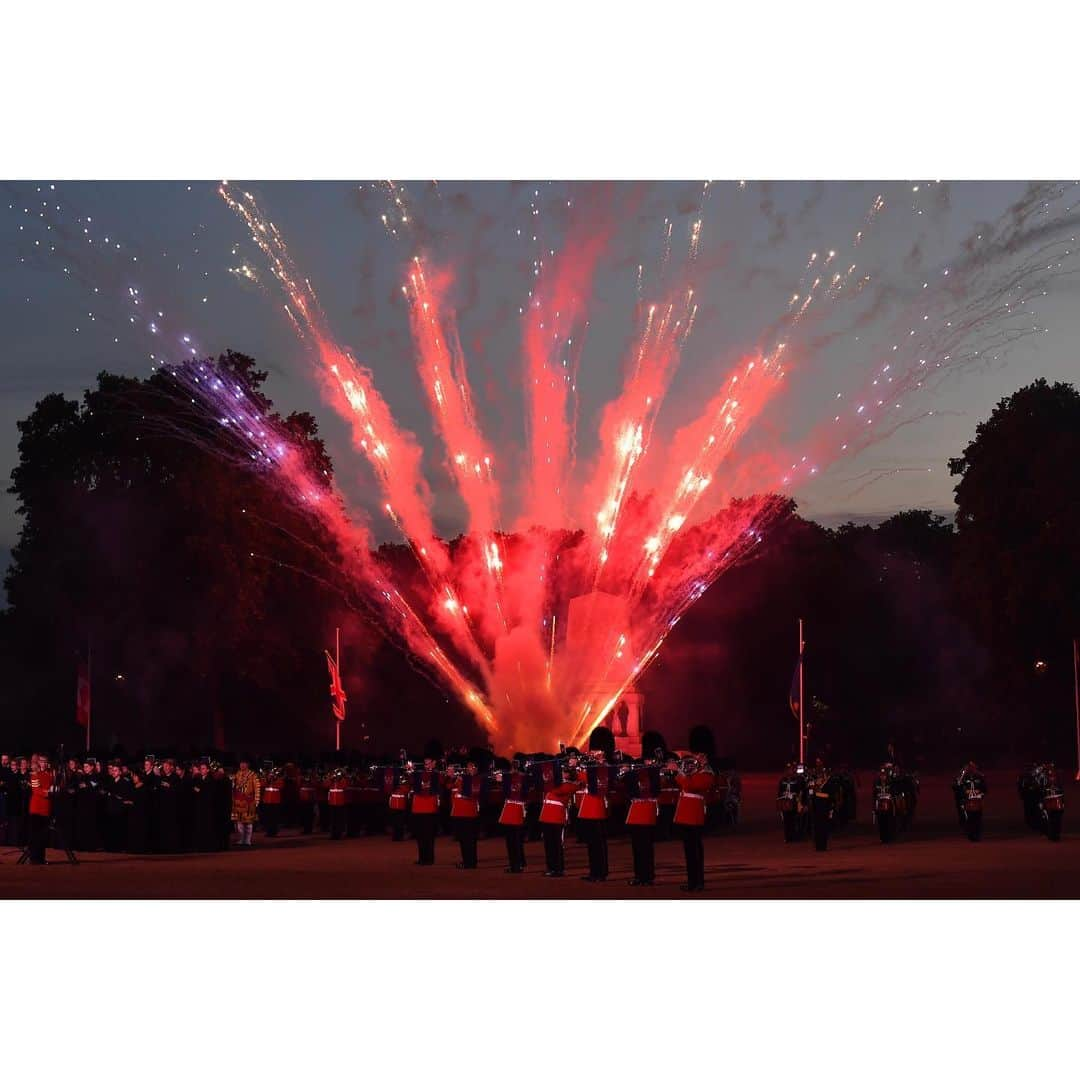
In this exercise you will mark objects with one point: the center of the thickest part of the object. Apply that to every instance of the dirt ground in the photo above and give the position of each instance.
(934, 860)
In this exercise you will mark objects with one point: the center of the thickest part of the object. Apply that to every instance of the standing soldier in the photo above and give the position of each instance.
(202, 808)
(695, 780)
(139, 822)
(398, 802)
(337, 799)
(424, 808)
(245, 802)
(63, 803)
(222, 787)
(167, 809)
(592, 815)
(554, 817)
(467, 791)
(115, 795)
(515, 793)
(641, 819)
(6, 773)
(88, 808)
(184, 812)
(308, 797)
(272, 794)
(40, 810)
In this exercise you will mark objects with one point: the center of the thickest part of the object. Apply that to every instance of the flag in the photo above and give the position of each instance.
(793, 693)
(337, 691)
(82, 695)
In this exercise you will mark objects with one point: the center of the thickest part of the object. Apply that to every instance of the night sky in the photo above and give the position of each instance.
(178, 242)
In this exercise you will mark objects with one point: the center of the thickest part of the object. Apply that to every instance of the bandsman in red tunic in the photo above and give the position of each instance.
(467, 791)
(387, 779)
(643, 782)
(554, 817)
(40, 809)
(424, 788)
(398, 804)
(307, 800)
(337, 801)
(515, 793)
(696, 780)
(273, 795)
(596, 780)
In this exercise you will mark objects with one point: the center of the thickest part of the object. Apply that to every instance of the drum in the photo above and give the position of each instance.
(399, 801)
(642, 812)
(464, 806)
(690, 809)
(512, 814)
(271, 796)
(308, 793)
(336, 796)
(425, 804)
(553, 812)
(592, 808)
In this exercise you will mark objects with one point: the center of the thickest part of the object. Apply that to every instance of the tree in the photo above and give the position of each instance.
(1018, 552)
(204, 595)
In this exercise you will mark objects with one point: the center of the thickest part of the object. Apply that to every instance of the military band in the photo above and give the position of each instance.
(166, 806)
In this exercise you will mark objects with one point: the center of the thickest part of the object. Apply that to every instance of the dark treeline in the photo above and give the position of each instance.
(206, 604)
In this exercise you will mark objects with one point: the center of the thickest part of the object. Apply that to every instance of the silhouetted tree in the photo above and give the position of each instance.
(1018, 554)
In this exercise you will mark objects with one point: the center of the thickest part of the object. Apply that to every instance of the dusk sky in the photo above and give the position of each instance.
(179, 240)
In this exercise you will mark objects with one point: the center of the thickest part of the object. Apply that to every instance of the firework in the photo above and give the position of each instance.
(540, 628)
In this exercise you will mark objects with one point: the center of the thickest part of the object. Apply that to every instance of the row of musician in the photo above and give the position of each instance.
(526, 799)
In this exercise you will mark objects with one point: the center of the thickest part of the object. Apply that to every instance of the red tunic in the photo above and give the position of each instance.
(594, 806)
(425, 798)
(553, 809)
(693, 790)
(40, 800)
(513, 809)
(399, 797)
(462, 805)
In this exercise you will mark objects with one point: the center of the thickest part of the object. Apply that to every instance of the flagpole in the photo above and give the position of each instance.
(1076, 692)
(89, 694)
(802, 710)
(337, 660)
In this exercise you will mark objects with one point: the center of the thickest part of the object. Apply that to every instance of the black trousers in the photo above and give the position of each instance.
(554, 855)
(39, 835)
(594, 836)
(468, 832)
(533, 829)
(271, 815)
(338, 821)
(664, 825)
(515, 846)
(424, 827)
(694, 848)
(397, 824)
(306, 817)
(642, 840)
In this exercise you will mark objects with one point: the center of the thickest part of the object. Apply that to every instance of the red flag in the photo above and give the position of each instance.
(82, 695)
(337, 691)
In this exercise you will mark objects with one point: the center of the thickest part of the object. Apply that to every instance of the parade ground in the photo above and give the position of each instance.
(933, 861)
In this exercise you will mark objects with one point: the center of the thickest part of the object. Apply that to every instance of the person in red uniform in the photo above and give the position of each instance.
(398, 802)
(593, 812)
(40, 808)
(554, 817)
(643, 782)
(467, 793)
(695, 779)
(424, 810)
(516, 789)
